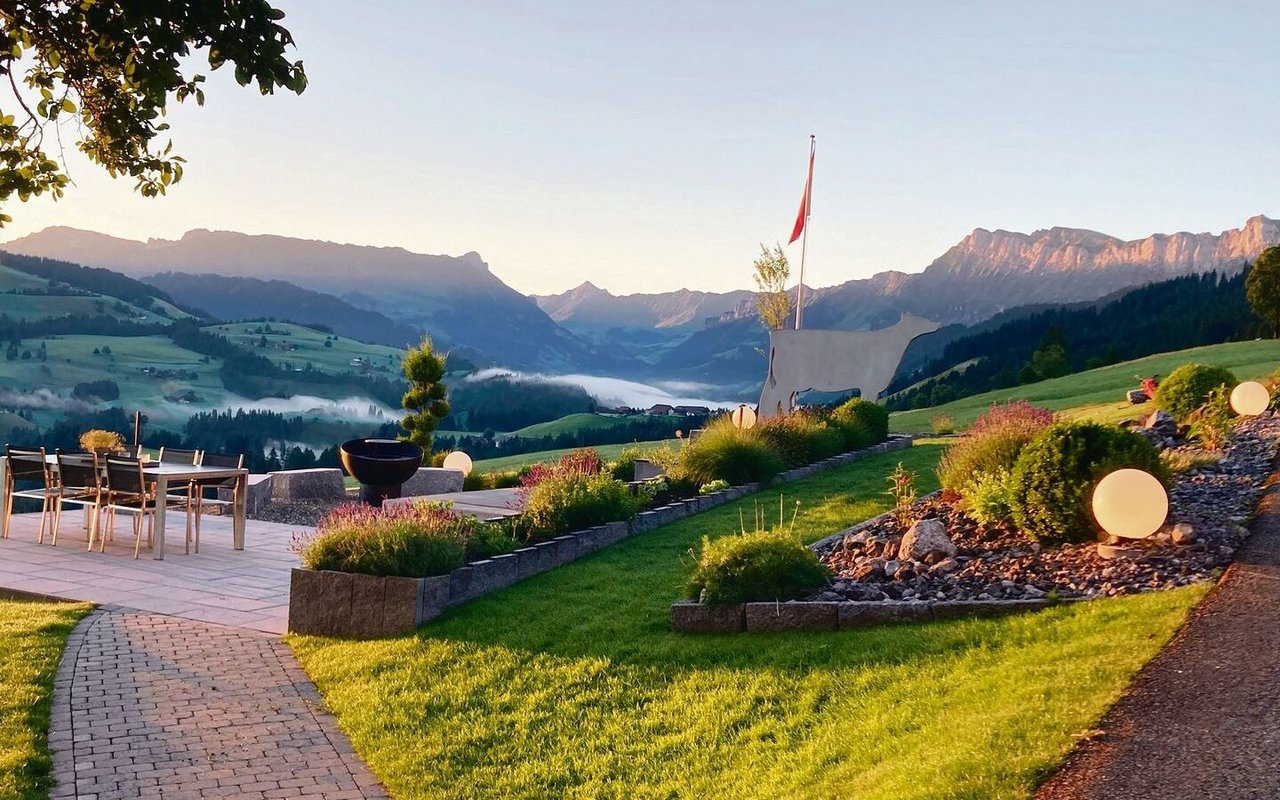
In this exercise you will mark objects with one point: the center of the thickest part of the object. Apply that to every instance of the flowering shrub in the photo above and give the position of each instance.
(714, 486)
(992, 444)
(99, 441)
(579, 462)
(942, 424)
(574, 500)
(408, 541)
(902, 488)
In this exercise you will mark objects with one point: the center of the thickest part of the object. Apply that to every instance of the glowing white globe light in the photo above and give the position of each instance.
(1250, 399)
(743, 417)
(1130, 503)
(458, 460)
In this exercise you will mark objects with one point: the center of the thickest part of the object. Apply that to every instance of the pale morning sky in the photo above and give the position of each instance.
(646, 146)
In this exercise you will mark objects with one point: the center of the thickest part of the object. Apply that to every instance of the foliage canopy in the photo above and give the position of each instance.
(112, 66)
(771, 274)
(1262, 288)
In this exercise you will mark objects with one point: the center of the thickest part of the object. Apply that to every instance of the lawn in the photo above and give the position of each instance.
(31, 638)
(571, 684)
(1102, 389)
(606, 451)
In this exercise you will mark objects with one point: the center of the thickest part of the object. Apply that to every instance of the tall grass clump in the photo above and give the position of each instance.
(726, 453)
(404, 541)
(755, 567)
(1188, 387)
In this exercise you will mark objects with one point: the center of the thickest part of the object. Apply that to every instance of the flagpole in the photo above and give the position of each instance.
(804, 241)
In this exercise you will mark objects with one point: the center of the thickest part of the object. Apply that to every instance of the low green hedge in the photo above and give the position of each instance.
(752, 567)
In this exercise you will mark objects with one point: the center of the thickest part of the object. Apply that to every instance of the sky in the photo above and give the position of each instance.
(649, 146)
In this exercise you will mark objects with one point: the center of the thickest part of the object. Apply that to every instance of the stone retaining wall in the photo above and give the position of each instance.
(689, 616)
(359, 606)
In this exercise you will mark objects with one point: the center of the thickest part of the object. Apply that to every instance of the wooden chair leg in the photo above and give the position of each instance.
(6, 511)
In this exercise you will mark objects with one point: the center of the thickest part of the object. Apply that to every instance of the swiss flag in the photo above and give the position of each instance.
(804, 203)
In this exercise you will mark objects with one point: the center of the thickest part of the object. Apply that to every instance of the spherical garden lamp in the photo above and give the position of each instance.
(1130, 503)
(743, 417)
(458, 460)
(1249, 399)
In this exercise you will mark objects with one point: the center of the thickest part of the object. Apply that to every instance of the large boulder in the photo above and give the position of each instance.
(927, 539)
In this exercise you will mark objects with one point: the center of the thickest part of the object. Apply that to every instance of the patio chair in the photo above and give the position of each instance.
(26, 466)
(78, 483)
(173, 455)
(208, 459)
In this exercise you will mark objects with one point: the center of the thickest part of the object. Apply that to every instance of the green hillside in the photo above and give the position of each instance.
(26, 298)
(1101, 391)
(299, 345)
(606, 451)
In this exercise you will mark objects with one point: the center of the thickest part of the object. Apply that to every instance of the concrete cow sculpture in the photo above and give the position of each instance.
(832, 361)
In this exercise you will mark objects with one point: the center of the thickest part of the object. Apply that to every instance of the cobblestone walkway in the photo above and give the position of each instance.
(155, 706)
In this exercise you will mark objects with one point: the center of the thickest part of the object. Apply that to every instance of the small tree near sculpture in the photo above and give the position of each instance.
(425, 401)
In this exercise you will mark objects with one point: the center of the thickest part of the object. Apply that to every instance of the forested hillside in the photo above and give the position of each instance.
(1172, 315)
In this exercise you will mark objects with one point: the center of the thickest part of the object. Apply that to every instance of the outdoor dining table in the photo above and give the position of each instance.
(166, 475)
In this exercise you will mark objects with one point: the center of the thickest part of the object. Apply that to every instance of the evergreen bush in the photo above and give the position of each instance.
(1187, 388)
(1052, 482)
(857, 419)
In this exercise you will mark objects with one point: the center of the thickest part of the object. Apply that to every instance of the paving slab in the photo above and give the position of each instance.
(1202, 720)
(242, 588)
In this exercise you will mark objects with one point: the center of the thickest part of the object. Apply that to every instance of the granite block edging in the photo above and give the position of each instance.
(365, 606)
(688, 616)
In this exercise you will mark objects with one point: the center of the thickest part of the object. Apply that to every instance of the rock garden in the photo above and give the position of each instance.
(1013, 521)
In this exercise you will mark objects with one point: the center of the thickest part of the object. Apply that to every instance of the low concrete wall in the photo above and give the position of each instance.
(308, 484)
(432, 480)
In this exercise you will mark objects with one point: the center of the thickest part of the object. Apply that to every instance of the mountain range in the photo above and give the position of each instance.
(391, 294)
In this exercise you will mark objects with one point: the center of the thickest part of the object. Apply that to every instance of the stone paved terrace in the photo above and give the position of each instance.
(243, 589)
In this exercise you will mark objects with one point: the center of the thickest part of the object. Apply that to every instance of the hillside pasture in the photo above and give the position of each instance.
(298, 345)
(1100, 393)
(21, 307)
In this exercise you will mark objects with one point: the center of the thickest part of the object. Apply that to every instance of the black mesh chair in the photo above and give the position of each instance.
(78, 483)
(127, 490)
(198, 487)
(26, 467)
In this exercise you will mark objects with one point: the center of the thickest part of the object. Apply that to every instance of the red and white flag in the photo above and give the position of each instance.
(804, 202)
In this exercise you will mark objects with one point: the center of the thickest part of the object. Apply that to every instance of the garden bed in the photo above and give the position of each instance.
(996, 569)
(326, 602)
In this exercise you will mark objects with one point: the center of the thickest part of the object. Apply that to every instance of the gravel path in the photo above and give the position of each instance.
(154, 706)
(1203, 719)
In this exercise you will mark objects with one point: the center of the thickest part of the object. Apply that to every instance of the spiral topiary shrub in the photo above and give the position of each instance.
(1187, 388)
(1052, 482)
(755, 567)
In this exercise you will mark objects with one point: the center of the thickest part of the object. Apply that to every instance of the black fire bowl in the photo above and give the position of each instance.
(380, 465)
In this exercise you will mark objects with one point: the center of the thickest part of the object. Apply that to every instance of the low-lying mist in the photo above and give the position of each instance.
(618, 391)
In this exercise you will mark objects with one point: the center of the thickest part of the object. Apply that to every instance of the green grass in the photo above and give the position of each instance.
(574, 423)
(606, 451)
(1102, 389)
(28, 308)
(572, 685)
(32, 635)
(308, 347)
